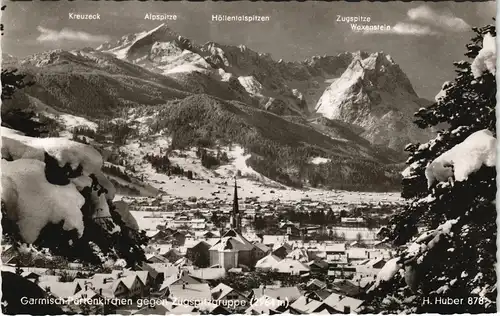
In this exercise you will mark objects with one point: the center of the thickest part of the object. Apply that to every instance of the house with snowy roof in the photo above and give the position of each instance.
(60, 289)
(264, 248)
(319, 295)
(318, 265)
(136, 288)
(344, 304)
(348, 287)
(268, 262)
(306, 305)
(357, 254)
(182, 277)
(291, 266)
(281, 250)
(229, 298)
(315, 284)
(290, 293)
(187, 294)
(205, 274)
(183, 263)
(109, 287)
(299, 254)
(172, 255)
(158, 273)
(271, 240)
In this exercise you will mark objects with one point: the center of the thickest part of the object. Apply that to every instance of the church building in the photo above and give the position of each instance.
(233, 250)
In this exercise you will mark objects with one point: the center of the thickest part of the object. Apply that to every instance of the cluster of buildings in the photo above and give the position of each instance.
(187, 272)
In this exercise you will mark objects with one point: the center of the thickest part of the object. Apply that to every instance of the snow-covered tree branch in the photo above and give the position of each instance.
(55, 195)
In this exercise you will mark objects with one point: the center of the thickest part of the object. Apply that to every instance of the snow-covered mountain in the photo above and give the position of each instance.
(289, 88)
(367, 90)
(375, 94)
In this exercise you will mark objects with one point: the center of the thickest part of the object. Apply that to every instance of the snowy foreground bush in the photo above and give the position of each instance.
(447, 234)
(54, 195)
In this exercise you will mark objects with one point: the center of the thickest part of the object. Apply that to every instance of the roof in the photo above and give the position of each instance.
(291, 293)
(335, 248)
(319, 263)
(306, 305)
(86, 294)
(284, 245)
(353, 303)
(60, 289)
(273, 239)
(191, 292)
(233, 240)
(171, 251)
(373, 262)
(27, 274)
(167, 269)
(357, 253)
(288, 265)
(322, 294)
(191, 243)
(333, 299)
(267, 262)
(208, 273)
(262, 247)
(182, 262)
(221, 290)
(316, 282)
(347, 287)
(108, 286)
(129, 280)
(142, 275)
(182, 276)
(299, 254)
(288, 223)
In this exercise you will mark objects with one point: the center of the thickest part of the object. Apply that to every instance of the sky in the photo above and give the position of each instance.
(425, 37)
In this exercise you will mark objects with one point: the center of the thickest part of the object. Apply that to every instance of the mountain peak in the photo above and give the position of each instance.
(372, 88)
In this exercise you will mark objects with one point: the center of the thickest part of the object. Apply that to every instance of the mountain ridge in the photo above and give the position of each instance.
(299, 88)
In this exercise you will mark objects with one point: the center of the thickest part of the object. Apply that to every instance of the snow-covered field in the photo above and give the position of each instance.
(148, 223)
(319, 160)
(220, 182)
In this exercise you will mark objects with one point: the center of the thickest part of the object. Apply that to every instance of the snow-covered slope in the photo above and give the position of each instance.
(375, 94)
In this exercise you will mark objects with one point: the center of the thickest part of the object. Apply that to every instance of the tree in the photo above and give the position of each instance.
(359, 238)
(14, 117)
(215, 219)
(455, 257)
(11, 82)
(259, 223)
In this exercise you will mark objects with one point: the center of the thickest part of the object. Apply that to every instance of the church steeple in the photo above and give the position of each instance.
(235, 213)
